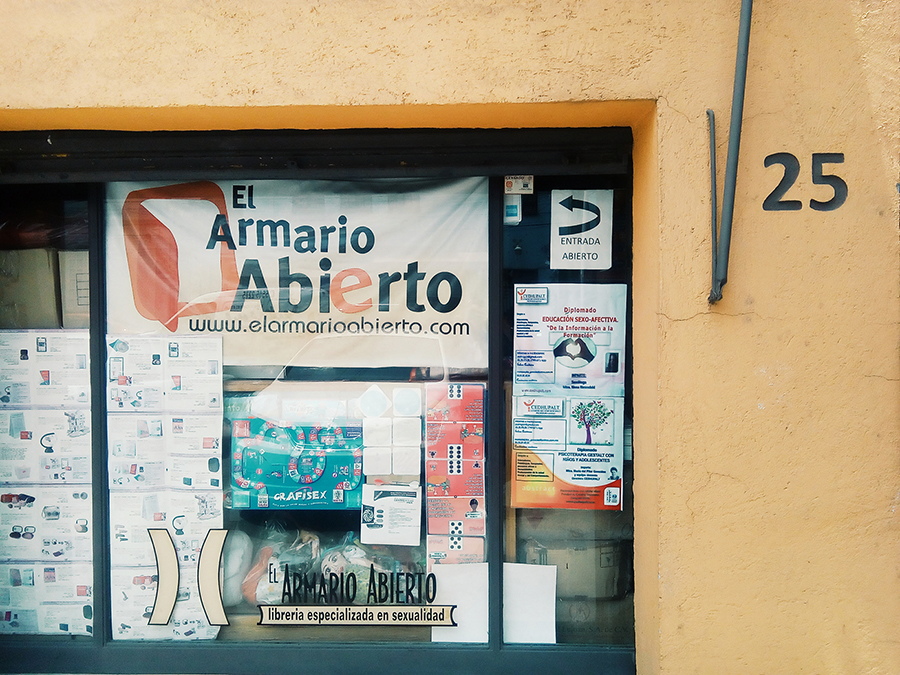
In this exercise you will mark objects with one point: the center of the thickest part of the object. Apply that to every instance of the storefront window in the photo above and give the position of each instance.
(356, 404)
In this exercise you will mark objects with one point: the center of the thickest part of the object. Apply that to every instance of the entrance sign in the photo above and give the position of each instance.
(278, 267)
(581, 229)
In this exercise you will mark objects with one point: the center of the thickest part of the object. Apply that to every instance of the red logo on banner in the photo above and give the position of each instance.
(153, 256)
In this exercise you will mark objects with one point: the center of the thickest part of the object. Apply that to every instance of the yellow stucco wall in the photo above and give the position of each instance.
(767, 426)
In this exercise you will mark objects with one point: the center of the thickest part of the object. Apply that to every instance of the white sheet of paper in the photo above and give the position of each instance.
(465, 586)
(529, 603)
(377, 431)
(406, 460)
(407, 431)
(376, 460)
(391, 514)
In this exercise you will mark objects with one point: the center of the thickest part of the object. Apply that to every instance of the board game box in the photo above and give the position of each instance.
(295, 467)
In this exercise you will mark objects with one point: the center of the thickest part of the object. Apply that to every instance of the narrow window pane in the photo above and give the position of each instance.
(569, 533)
(46, 519)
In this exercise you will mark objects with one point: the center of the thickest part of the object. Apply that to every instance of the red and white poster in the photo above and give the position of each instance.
(568, 396)
(454, 473)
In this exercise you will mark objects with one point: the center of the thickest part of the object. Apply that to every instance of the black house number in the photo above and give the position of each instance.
(776, 201)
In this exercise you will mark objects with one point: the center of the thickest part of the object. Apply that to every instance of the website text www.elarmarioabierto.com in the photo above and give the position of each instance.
(329, 326)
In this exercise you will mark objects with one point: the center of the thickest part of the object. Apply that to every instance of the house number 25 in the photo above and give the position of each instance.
(776, 201)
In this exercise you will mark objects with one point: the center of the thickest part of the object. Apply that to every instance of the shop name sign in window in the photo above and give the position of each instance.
(295, 262)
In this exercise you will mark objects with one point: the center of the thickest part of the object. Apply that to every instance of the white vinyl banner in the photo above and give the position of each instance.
(370, 273)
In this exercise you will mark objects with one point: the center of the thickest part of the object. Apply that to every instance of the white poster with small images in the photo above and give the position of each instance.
(569, 395)
(164, 431)
(46, 517)
(44, 368)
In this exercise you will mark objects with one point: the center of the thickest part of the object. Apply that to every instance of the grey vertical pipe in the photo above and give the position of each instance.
(713, 189)
(734, 148)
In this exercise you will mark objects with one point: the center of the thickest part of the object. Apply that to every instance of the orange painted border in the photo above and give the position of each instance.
(466, 115)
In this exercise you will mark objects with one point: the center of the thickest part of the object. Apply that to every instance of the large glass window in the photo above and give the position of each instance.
(302, 364)
(566, 281)
(385, 399)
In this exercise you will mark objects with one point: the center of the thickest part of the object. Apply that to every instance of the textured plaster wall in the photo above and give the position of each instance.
(767, 426)
(352, 52)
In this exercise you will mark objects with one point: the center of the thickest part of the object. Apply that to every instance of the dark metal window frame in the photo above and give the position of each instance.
(97, 157)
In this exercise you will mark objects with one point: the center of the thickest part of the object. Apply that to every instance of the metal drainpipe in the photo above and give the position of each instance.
(720, 257)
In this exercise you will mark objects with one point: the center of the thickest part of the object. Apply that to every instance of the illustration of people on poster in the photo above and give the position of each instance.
(569, 396)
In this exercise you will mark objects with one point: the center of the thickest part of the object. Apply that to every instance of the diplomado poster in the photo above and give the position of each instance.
(568, 396)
